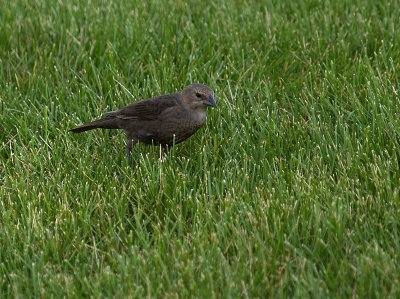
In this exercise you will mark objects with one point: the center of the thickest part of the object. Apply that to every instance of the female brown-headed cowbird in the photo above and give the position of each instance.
(164, 120)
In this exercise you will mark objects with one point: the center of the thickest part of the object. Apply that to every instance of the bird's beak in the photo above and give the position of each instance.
(211, 101)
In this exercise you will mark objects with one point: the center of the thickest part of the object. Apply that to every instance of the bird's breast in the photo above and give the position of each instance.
(188, 125)
(199, 117)
(194, 120)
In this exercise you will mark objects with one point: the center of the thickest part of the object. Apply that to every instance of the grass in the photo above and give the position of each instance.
(291, 190)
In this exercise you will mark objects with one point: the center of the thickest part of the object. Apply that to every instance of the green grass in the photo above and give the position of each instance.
(291, 190)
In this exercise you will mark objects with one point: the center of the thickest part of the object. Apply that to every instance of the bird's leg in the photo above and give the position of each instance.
(163, 152)
(128, 150)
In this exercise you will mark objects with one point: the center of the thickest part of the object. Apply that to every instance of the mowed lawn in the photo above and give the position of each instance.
(290, 190)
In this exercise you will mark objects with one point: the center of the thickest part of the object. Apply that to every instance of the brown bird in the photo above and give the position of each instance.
(164, 120)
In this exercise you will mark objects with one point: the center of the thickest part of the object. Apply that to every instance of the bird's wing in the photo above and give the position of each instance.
(146, 110)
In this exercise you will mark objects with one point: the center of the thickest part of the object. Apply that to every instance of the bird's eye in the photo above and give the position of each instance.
(198, 95)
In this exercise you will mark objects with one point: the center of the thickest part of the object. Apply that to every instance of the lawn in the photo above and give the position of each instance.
(290, 190)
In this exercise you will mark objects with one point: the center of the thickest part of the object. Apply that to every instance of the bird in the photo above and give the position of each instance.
(164, 120)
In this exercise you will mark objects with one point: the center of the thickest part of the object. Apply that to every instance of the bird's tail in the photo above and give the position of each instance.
(106, 123)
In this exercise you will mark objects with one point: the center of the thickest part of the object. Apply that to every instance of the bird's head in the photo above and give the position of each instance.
(198, 96)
